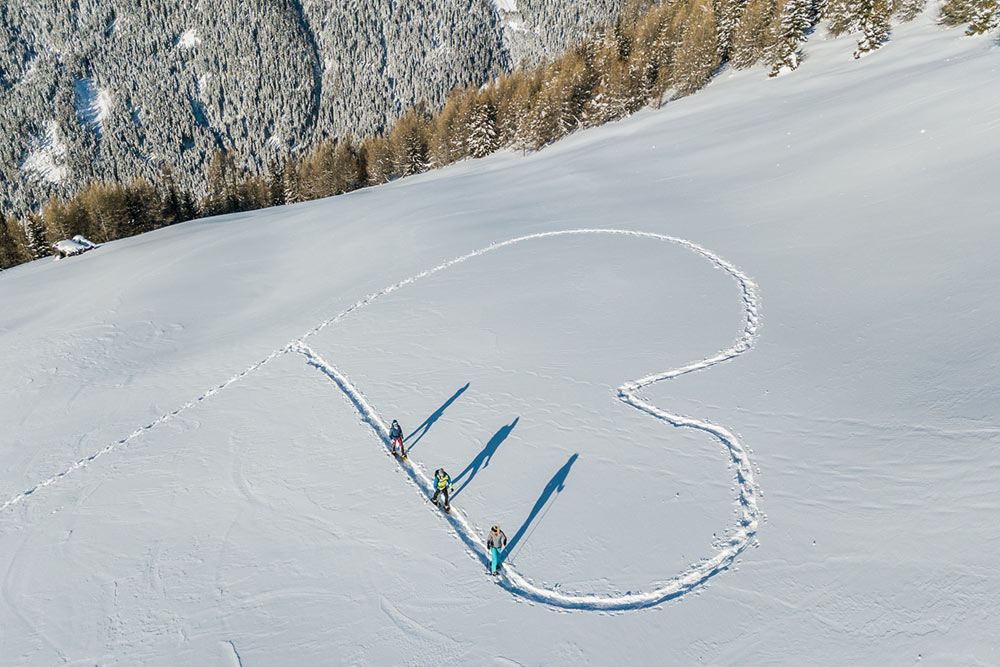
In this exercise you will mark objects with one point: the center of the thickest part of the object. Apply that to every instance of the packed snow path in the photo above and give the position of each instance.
(738, 537)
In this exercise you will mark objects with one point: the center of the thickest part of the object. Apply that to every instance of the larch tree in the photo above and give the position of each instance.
(697, 57)
(750, 34)
(408, 139)
(378, 159)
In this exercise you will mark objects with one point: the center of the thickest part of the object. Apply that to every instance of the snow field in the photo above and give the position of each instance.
(627, 393)
(857, 195)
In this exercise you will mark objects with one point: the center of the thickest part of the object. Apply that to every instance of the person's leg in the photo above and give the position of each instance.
(446, 503)
(434, 499)
(494, 559)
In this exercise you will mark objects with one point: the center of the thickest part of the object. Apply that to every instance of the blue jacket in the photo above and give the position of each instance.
(395, 432)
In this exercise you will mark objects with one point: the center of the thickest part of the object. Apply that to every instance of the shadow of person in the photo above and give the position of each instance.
(482, 459)
(555, 485)
(421, 430)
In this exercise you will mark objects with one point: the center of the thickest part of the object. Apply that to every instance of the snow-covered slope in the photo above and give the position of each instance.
(194, 468)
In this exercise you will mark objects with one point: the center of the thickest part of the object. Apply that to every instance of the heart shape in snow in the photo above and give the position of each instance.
(739, 537)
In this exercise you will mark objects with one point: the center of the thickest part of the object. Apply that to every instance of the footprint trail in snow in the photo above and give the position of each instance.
(739, 537)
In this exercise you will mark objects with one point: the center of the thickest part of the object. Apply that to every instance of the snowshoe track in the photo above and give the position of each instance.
(738, 537)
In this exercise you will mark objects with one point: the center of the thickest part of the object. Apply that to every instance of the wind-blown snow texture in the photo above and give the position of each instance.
(853, 442)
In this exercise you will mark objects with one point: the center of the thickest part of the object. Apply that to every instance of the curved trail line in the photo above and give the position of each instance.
(738, 538)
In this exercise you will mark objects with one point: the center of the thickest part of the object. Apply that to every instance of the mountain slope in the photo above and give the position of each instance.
(267, 523)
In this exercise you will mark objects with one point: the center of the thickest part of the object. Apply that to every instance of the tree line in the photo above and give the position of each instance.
(650, 54)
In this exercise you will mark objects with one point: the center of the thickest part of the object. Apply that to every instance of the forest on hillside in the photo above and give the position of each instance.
(650, 54)
(113, 90)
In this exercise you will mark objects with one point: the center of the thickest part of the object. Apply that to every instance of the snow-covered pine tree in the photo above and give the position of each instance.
(482, 125)
(983, 16)
(787, 32)
(727, 13)
(841, 16)
(874, 17)
(408, 142)
(34, 231)
(750, 34)
(907, 10)
(666, 32)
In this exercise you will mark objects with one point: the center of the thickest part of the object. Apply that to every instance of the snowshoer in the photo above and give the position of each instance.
(495, 542)
(442, 484)
(396, 436)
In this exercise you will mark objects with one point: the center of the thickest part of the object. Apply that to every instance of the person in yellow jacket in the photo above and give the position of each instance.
(442, 484)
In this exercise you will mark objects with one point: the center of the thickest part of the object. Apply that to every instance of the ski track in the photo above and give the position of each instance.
(738, 538)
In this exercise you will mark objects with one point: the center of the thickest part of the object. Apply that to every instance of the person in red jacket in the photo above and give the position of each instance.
(396, 436)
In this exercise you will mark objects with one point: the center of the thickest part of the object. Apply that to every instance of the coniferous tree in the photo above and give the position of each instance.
(981, 15)
(665, 29)
(751, 32)
(446, 143)
(36, 245)
(873, 16)
(697, 57)
(276, 182)
(107, 209)
(727, 14)
(514, 107)
(142, 204)
(18, 234)
(408, 142)
(907, 10)
(349, 167)
(787, 32)
(223, 183)
(378, 159)
(13, 244)
(15, 231)
(958, 12)
(482, 125)
(170, 199)
(839, 15)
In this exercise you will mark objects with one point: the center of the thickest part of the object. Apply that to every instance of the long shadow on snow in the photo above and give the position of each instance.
(555, 485)
(426, 426)
(482, 459)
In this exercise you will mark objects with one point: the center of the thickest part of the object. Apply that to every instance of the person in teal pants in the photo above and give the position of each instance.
(495, 542)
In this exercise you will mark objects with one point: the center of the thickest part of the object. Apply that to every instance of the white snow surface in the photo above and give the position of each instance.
(189, 39)
(506, 5)
(724, 373)
(47, 154)
(93, 104)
